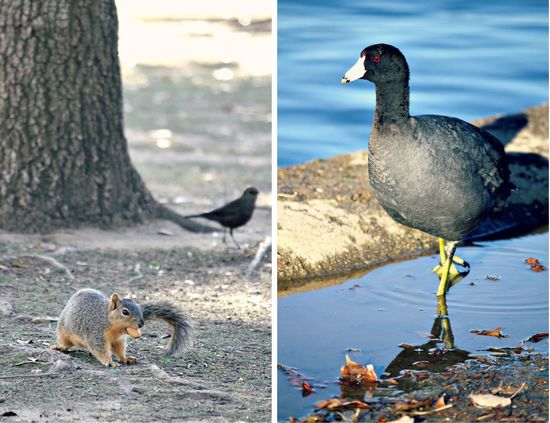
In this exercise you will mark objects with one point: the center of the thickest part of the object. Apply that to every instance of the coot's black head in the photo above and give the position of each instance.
(379, 63)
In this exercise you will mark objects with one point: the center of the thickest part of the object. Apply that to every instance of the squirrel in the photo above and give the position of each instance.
(99, 324)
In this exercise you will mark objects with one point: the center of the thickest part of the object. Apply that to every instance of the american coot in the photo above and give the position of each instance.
(234, 214)
(434, 173)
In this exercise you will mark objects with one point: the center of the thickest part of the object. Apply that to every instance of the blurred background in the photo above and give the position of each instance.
(467, 59)
(197, 98)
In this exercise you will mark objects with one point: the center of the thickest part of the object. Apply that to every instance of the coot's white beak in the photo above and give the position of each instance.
(355, 72)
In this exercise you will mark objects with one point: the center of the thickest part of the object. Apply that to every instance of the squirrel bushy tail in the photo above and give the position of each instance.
(178, 322)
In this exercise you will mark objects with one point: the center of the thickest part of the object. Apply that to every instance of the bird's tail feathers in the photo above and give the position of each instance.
(191, 216)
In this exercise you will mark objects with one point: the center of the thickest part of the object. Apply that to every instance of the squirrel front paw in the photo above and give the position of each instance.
(129, 359)
(112, 364)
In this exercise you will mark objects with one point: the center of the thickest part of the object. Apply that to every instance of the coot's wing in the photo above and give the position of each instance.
(477, 150)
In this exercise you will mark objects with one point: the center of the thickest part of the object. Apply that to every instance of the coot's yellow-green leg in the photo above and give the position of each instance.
(444, 282)
(453, 271)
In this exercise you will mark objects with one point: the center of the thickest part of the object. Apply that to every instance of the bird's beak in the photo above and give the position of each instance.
(355, 72)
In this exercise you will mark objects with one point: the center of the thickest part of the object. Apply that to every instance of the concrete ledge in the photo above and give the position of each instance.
(329, 222)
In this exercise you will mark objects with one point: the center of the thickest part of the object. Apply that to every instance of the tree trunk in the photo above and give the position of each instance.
(64, 159)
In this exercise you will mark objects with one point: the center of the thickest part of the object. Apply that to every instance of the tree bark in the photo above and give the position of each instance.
(64, 159)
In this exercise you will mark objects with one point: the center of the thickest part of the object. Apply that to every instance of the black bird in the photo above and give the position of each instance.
(434, 173)
(234, 214)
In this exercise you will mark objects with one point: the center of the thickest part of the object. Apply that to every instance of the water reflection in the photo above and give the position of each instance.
(435, 355)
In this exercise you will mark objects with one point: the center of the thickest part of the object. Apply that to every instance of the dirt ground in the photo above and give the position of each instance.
(224, 376)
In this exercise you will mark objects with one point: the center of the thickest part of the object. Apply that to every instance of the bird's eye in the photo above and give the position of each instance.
(125, 312)
(376, 59)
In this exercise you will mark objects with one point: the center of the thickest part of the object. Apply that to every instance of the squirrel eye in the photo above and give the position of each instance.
(125, 312)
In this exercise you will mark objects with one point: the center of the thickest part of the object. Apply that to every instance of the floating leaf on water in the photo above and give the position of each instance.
(532, 260)
(495, 332)
(356, 373)
(537, 267)
(306, 389)
(538, 337)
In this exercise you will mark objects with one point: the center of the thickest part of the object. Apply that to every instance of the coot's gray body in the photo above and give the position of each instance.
(437, 174)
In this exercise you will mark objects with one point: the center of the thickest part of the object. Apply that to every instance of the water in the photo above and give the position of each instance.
(394, 304)
(467, 59)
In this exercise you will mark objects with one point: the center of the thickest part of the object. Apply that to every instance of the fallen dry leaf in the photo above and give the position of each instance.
(495, 332)
(440, 402)
(413, 404)
(492, 401)
(489, 400)
(334, 403)
(538, 337)
(532, 260)
(356, 373)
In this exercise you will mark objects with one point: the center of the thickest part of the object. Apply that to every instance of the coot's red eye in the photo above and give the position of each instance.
(376, 59)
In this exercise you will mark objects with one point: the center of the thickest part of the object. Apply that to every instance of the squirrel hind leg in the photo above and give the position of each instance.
(66, 340)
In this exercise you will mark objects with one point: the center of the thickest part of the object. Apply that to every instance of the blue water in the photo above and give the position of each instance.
(468, 59)
(396, 303)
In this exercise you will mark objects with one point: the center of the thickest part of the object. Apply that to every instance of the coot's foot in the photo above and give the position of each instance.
(453, 271)
(447, 279)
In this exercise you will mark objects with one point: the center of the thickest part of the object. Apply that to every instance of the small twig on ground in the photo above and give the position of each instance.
(137, 271)
(264, 246)
(53, 262)
(30, 376)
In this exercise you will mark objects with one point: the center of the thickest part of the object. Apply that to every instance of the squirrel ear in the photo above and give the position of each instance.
(115, 300)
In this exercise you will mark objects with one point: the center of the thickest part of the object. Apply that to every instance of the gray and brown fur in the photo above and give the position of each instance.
(99, 324)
